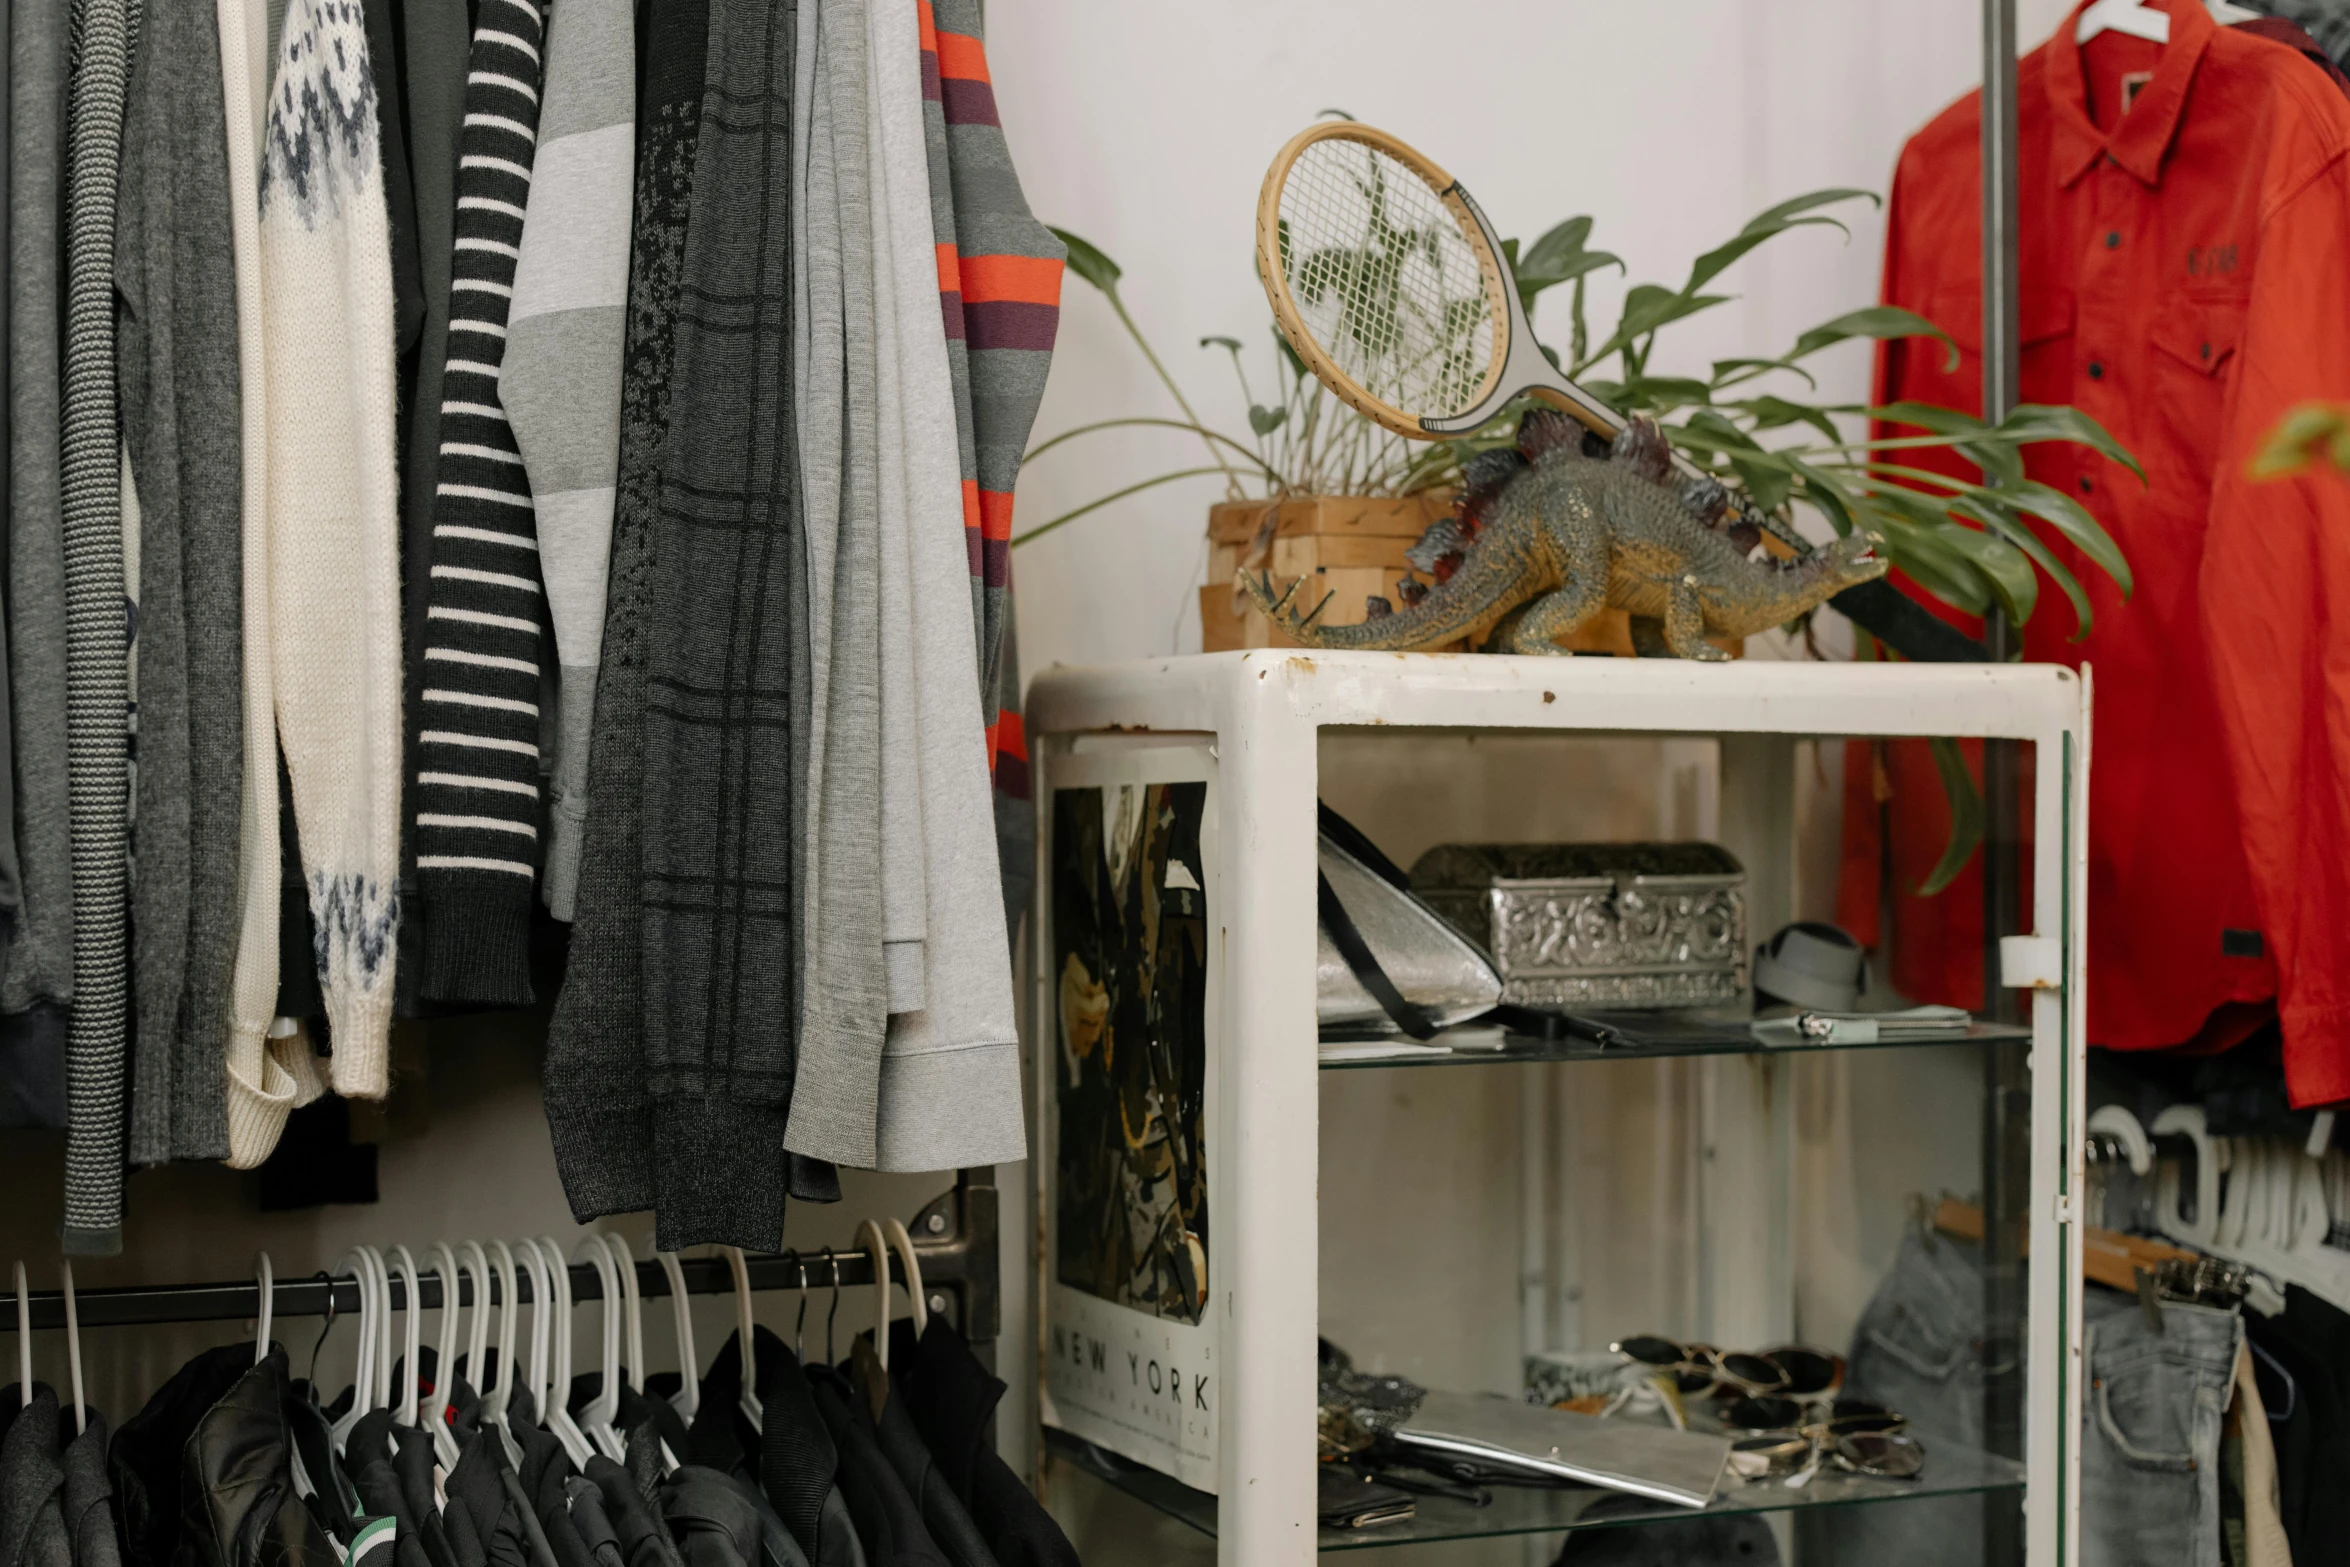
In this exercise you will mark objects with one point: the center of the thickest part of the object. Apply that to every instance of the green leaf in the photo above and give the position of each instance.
(1828, 496)
(2070, 518)
(1660, 393)
(1991, 513)
(1647, 307)
(1877, 321)
(1558, 242)
(1748, 369)
(1907, 523)
(1767, 225)
(1087, 261)
(1232, 343)
(2309, 434)
(1929, 416)
(2029, 422)
(1263, 420)
(1966, 815)
(1777, 413)
(2001, 563)
(1812, 200)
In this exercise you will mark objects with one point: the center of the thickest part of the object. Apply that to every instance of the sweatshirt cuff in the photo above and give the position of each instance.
(477, 941)
(948, 1109)
(902, 963)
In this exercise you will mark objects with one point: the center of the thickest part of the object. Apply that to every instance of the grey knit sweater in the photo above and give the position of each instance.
(40, 960)
(97, 670)
(595, 1081)
(720, 953)
(176, 355)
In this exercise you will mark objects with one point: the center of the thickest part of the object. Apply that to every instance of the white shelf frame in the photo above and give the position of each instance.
(1263, 712)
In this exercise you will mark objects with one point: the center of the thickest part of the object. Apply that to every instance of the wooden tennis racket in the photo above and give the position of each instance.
(1389, 283)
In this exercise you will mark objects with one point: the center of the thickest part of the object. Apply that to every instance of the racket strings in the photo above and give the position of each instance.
(1385, 280)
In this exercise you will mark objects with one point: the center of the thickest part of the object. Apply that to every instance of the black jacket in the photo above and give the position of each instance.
(144, 1460)
(238, 1507)
(888, 1522)
(951, 1398)
(791, 1459)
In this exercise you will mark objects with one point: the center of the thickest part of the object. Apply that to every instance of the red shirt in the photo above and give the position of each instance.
(2186, 281)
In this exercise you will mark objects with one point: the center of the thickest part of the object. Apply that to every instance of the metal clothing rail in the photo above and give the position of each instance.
(954, 1239)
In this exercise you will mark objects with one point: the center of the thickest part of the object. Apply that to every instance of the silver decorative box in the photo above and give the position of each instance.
(1598, 926)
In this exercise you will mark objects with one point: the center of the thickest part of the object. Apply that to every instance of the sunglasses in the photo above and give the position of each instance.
(1886, 1455)
(1776, 1415)
(1791, 1371)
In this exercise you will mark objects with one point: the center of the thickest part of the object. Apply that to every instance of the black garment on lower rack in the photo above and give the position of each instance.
(951, 1398)
(144, 1461)
(942, 1512)
(719, 1522)
(790, 1460)
(238, 1502)
(32, 1484)
(89, 1496)
(888, 1522)
(367, 1458)
(638, 1533)
(2311, 1342)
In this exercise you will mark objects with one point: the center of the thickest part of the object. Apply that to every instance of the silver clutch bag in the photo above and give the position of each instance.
(1385, 962)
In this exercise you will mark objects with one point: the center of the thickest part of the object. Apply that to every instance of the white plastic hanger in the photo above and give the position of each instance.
(383, 1326)
(595, 1421)
(2122, 16)
(24, 1337)
(444, 1366)
(894, 1228)
(558, 1415)
(403, 1387)
(500, 1392)
(2134, 18)
(363, 1377)
(265, 1285)
(474, 1264)
(2210, 1159)
(687, 1400)
(542, 1325)
(875, 1245)
(73, 1353)
(632, 1307)
(743, 1332)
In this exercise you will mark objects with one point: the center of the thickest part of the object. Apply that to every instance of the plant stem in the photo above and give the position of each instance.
(1169, 424)
(1042, 529)
(1232, 478)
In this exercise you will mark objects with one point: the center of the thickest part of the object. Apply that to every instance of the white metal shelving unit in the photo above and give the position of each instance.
(1257, 717)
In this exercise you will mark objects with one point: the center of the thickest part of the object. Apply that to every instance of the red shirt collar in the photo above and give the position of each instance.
(2142, 138)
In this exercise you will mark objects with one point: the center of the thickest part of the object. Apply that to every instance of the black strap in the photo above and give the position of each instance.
(1350, 838)
(1410, 1017)
(1907, 627)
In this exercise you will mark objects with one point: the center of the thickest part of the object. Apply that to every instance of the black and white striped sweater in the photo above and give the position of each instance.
(477, 782)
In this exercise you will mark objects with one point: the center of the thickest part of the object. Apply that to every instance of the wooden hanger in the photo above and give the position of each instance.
(2107, 1256)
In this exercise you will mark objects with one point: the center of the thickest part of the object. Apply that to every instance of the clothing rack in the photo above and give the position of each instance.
(955, 1238)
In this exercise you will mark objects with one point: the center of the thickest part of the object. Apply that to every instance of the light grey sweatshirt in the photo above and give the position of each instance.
(561, 379)
(950, 1077)
(843, 993)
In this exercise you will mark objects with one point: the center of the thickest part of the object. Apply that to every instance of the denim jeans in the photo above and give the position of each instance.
(2151, 1421)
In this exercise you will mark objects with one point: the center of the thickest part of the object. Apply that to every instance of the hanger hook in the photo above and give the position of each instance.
(326, 1327)
(799, 1330)
(832, 1257)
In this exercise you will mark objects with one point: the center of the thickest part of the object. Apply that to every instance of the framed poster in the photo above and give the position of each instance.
(1128, 1096)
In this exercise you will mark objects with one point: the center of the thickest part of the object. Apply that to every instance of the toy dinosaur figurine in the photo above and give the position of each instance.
(1547, 537)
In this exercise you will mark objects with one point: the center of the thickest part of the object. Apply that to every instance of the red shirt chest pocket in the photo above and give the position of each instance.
(2194, 338)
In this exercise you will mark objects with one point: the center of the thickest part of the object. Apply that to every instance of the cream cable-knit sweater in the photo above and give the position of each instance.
(267, 1077)
(334, 523)
(321, 550)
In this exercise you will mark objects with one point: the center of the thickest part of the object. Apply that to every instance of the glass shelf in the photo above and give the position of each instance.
(1650, 1035)
(1951, 1470)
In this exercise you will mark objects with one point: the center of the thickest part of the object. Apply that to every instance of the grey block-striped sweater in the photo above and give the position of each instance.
(561, 381)
(477, 780)
(97, 673)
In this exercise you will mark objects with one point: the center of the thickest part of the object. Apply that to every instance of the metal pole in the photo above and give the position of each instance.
(2006, 1153)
